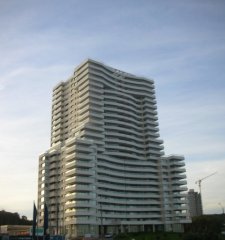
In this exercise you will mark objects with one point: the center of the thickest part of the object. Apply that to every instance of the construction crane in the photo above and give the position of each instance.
(199, 182)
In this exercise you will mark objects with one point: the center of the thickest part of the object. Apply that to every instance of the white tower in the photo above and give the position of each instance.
(106, 166)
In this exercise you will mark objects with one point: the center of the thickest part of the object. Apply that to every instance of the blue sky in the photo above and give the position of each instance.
(180, 44)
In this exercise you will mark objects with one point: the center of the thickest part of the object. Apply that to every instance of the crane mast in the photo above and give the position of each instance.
(199, 182)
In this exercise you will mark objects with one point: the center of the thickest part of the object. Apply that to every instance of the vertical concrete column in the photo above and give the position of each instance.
(122, 228)
(153, 228)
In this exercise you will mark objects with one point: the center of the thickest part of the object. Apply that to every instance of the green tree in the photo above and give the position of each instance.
(8, 218)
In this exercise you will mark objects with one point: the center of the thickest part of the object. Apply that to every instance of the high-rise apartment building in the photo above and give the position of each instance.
(195, 203)
(106, 169)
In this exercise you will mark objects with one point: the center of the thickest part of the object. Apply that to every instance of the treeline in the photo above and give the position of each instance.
(206, 227)
(8, 218)
(208, 223)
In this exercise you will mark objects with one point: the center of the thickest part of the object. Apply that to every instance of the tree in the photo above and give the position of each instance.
(8, 218)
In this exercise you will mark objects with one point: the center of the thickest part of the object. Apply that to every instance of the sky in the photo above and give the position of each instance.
(178, 43)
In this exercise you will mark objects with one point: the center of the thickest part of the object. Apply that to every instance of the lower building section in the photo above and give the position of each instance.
(86, 191)
(78, 230)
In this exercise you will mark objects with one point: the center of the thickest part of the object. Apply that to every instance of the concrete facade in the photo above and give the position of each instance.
(15, 230)
(106, 168)
(195, 203)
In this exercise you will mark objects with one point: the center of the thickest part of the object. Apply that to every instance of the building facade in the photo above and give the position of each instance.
(15, 230)
(195, 203)
(106, 171)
